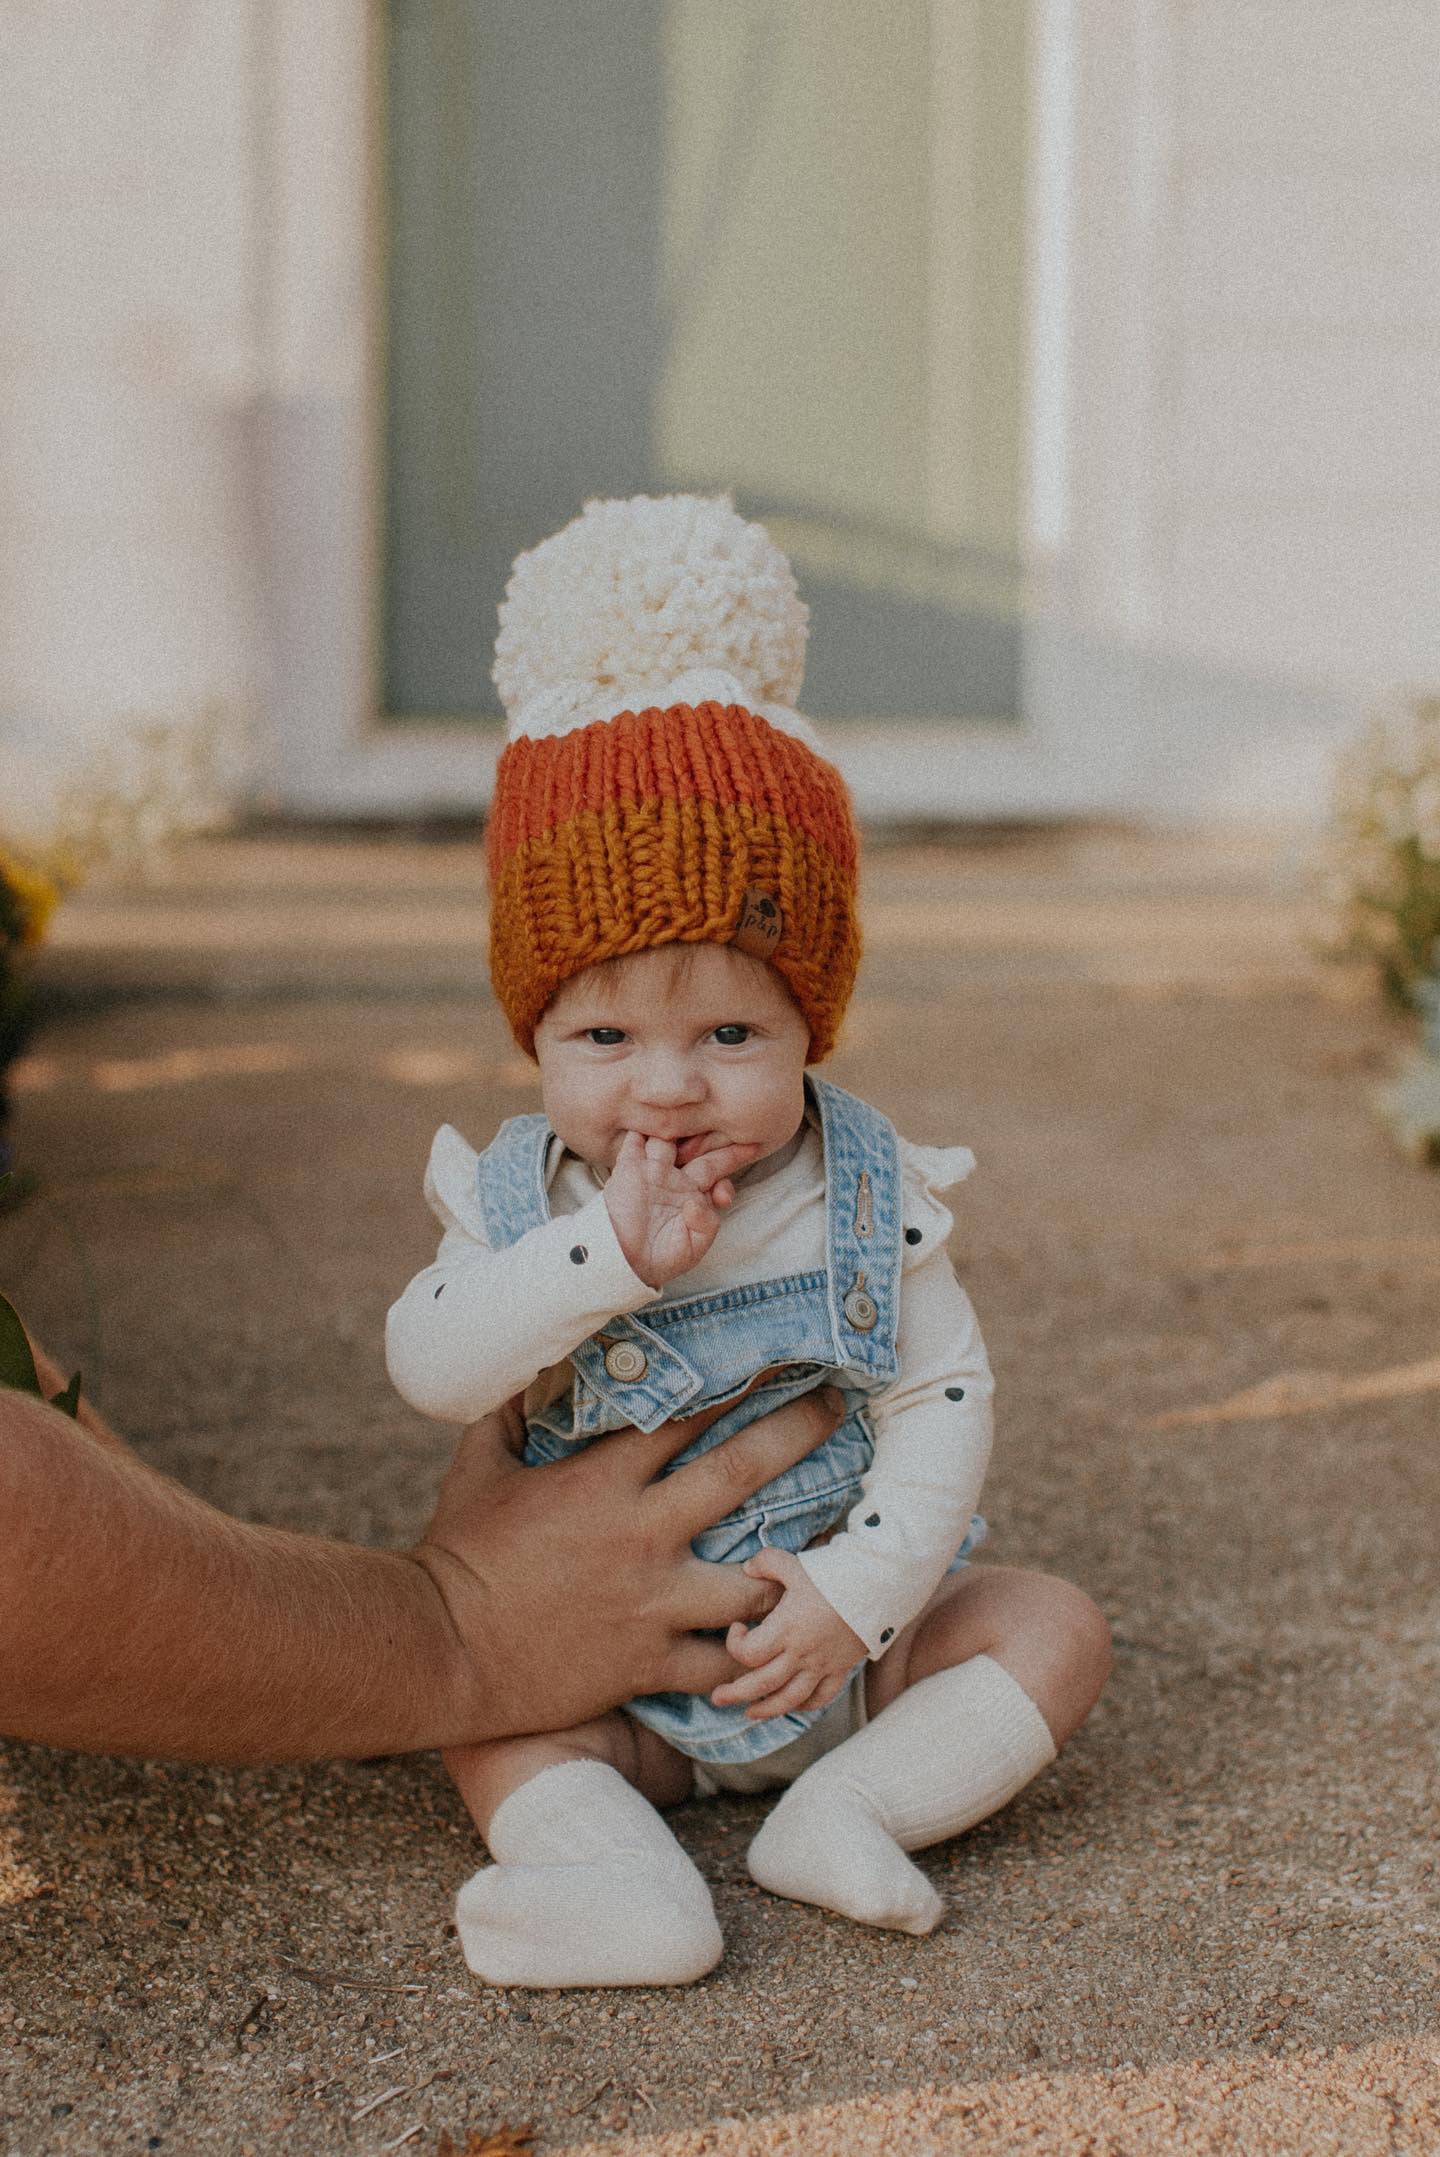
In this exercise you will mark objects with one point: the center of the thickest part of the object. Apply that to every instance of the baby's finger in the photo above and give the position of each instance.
(769, 1563)
(631, 1156)
(787, 1701)
(722, 1194)
(755, 1644)
(756, 1684)
(692, 1149)
(706, 1169)
(661, 1151)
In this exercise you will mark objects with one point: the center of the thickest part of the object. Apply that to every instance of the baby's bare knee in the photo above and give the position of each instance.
(1068, 1640)
(1087, 1629)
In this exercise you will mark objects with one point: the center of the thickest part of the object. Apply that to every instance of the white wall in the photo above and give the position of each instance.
(127, 366)
(1302, 485)
(1253, 501)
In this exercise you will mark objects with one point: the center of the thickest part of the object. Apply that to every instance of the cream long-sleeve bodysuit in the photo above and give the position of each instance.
(479, 1326)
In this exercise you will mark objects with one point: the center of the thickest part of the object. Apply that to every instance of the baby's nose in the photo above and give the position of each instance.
(669, 1079)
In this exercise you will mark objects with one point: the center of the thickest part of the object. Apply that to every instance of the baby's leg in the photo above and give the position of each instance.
(977, 1695)
(589, 1886)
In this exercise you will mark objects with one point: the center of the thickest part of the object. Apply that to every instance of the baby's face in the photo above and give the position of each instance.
(695, 1043)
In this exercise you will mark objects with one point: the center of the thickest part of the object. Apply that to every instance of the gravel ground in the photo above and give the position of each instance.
(1210, 1928)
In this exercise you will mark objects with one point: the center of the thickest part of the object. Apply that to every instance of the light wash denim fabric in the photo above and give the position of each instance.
(703, 1350)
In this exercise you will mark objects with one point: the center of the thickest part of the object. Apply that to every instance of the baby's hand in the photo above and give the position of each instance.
(798, 1657)
(665, 1216)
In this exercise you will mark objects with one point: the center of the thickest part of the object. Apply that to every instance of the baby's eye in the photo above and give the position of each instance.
(604, 1037)
(732, 1037)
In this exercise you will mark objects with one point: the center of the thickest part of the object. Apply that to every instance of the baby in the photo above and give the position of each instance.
(696, 1223)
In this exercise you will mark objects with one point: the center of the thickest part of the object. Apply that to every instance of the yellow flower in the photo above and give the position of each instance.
(37, 893)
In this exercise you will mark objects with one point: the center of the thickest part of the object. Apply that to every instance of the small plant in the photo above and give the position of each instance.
(28, 897)
(1382, 883)
(1381, 869)
(17, 1360)
(146, 785)
(152, 783)
(17, 1364)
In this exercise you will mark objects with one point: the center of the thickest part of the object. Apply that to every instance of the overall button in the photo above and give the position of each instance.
(860, 1309)
(623, 1360)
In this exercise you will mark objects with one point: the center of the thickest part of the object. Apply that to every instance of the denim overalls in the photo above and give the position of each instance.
(682, 1353)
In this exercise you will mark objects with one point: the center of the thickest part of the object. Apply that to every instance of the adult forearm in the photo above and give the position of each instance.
(136, 1618)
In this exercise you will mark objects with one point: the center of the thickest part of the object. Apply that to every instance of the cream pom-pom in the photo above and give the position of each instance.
(657, 600)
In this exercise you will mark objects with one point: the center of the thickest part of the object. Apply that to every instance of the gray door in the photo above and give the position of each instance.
(768, 248)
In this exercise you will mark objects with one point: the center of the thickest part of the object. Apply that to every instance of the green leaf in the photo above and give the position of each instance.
(68, 1402)
(17, 1365)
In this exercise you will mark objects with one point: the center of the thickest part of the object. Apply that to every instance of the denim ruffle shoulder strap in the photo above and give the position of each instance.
(863, 1229)
(510, 1179)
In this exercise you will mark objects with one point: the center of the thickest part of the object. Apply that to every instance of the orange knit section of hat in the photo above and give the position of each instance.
(690, 825)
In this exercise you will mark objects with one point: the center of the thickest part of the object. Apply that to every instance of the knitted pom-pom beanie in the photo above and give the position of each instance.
(658, 785)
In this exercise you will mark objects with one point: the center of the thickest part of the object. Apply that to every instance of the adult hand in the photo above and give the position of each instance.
(572, 1586)
(136, 1618)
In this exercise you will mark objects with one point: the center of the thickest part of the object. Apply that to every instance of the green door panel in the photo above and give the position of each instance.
(770, 249)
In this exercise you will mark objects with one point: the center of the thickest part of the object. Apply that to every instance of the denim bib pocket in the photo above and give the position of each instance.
(799, 1505)
(550, 1433)
(548, 1436)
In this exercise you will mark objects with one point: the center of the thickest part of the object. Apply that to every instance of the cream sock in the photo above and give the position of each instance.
(947, 1753)
(588, 1887)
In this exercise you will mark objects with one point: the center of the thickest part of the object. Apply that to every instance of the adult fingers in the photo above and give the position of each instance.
(705, 1490)
(487, 1453)
(642, 1455)
(711, 1598)
(645, 1454)
(694, 1665)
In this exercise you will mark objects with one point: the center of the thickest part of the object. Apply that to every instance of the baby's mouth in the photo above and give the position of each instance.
(687, 1144)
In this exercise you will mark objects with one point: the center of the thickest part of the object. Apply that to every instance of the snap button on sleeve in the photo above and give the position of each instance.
(954, 1393)
(623, 1360)
(872, 1520)
(578, 1254)
(888, 1634)
(913, 1235)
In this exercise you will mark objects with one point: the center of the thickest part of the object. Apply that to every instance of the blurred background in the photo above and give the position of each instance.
(1081, 353)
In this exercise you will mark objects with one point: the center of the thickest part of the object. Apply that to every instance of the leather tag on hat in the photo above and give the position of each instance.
(760, 926)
